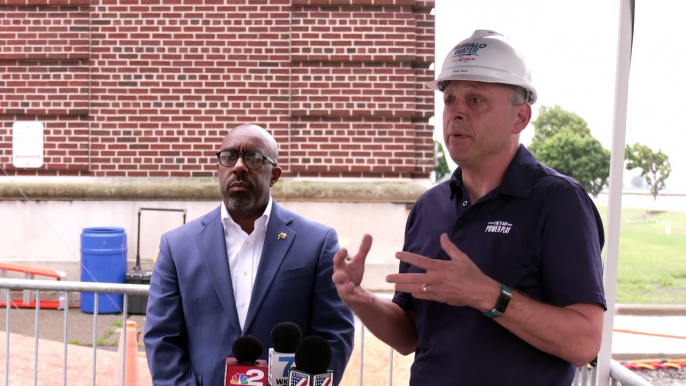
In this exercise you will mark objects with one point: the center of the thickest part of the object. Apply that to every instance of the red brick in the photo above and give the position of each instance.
(343, 73)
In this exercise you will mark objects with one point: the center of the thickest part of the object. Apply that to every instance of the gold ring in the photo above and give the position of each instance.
(424, 287)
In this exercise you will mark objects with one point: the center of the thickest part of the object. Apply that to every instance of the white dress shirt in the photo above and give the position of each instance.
(244, 253)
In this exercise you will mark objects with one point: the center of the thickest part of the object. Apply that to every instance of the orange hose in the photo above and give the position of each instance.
(645, 366)
(654, 364)
(649, 333)
(656, 360)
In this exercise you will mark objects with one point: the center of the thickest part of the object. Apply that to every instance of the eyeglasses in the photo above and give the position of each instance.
(253, 159)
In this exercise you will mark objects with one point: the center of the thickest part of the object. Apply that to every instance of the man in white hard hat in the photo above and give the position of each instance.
(500, 276)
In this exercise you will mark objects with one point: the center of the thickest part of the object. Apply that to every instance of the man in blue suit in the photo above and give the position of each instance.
(239, 270)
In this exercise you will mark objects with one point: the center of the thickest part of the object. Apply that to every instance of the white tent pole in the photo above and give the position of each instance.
(614, 206)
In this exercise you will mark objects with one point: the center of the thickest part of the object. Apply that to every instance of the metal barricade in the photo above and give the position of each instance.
(585, 376)
(43, 285)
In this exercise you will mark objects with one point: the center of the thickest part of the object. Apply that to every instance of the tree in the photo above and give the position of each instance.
(655, 167)
(440, 165)
(563, 141)
(552, 120)
(580, 157)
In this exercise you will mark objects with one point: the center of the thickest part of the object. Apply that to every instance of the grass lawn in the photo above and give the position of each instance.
(652, 256)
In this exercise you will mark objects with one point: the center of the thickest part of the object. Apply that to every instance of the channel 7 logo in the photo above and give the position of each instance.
(289, 362)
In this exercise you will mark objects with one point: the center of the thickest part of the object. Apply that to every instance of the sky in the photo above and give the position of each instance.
(571, 49)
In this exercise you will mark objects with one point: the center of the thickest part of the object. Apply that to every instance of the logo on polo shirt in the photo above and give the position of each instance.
(498, 227)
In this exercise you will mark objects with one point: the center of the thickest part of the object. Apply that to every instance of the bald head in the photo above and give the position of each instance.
(246, 191)
(269, 148)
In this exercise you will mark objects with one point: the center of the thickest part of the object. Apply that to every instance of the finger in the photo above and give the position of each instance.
(418, 261)
(365, 246)
(339, 259)
(348, 292)
(410, 288)
(345, 291)
(451, 249)
(339, 277)
(407, 278)
(348, 288)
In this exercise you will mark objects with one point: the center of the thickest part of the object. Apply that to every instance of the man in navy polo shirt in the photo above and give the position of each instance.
(500, 276)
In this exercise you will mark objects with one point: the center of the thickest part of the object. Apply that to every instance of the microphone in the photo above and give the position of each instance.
(312, 360)
(245, 368)
(285, 340)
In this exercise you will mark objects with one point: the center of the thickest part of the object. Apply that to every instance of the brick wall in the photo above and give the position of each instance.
(148, 88)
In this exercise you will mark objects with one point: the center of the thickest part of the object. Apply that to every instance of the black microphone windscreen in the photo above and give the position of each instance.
(247, 349)
(313, 355)
(286, 337)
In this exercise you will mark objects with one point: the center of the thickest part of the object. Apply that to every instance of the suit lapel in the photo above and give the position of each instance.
(213, 251)
(277, 241)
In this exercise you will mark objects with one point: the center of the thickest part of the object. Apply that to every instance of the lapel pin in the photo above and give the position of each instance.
(281, 236)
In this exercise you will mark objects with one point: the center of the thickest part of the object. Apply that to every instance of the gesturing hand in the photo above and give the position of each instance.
(458, 281)
(347, 274)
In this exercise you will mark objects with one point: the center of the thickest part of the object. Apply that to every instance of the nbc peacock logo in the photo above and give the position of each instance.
(239, 379)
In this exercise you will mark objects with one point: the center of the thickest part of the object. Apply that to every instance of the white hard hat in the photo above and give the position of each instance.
(486, 56)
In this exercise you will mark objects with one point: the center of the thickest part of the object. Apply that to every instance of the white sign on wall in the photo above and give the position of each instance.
(27, 144)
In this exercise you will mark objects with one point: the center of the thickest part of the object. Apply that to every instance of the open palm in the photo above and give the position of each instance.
(348, 273)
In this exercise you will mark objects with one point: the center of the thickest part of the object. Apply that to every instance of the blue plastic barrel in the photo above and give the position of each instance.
(103, 260)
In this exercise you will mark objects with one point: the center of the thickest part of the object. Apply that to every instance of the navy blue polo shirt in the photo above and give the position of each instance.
(538, 232)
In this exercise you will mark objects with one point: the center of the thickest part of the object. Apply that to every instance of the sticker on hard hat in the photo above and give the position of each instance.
(462, 71)
(468, 49)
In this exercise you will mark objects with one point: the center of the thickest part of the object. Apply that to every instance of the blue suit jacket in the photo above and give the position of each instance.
(191, 320)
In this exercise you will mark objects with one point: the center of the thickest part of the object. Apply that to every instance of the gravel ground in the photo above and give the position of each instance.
(664, 377)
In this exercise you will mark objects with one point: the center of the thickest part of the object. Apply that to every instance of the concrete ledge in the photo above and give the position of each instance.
(651, 309)
(205, 189)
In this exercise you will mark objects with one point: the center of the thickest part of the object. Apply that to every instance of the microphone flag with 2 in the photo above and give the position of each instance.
(244, 368)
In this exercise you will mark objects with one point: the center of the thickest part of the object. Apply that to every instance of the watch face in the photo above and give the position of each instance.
(501, 303)
(503, 299)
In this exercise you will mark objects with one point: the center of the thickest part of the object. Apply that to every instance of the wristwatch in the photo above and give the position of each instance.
(501, 304)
